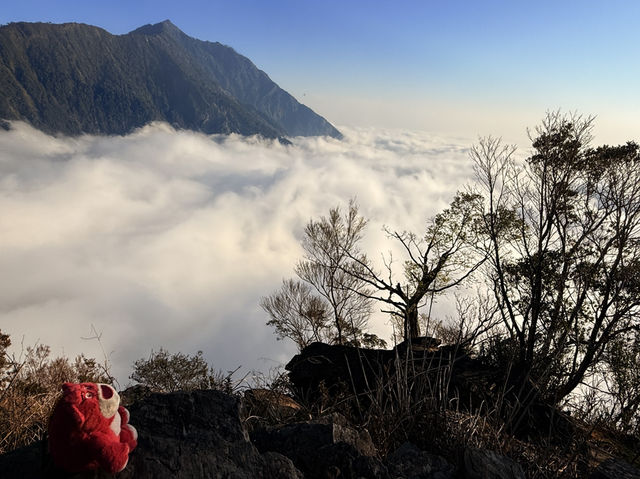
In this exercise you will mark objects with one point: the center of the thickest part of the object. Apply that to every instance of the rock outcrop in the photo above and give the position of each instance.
(615, 469)
(322, 448)
(197, 434)
(410, 462)
(484, 464)
(357, 371)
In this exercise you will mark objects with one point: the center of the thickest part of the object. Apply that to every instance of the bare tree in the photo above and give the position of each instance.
(331, 249)
(298, 314)
(441, 259)
(562, 234)
(329, 303)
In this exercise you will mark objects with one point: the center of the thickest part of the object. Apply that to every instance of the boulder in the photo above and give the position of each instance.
(615, 469)
(338, 368)
(198, 434)
(485, 464)
(347, 370)
(409, 462)
(327, 447)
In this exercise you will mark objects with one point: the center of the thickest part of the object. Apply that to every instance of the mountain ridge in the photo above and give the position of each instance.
(74, 78)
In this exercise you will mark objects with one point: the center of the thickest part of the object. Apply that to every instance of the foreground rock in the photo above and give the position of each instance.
(198, 434)
(412, 463)
(484, 464)
(615, 469)
(327, 447)
(202, 434)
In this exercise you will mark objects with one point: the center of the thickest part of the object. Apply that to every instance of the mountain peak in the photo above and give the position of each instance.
(75, 78)
(165, 26)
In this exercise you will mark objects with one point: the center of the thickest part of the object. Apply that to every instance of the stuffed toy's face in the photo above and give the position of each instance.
(88, 396)
(89, 429)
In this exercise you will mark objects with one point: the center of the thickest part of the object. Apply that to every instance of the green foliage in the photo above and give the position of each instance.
(165, 372)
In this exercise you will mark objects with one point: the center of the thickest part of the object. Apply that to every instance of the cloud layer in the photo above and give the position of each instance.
(169, 239)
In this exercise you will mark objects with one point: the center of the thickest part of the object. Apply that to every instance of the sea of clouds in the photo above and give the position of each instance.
(167, 238)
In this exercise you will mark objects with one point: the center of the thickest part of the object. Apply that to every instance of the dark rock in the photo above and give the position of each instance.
(323, 448)
(423, 343)
(33, 462)
(615, 469)
(354, 376)
(26, 462)
(134, 394)
(197, 434)
(409, 462)
(357, 371)
(338, 368)
(485, 464)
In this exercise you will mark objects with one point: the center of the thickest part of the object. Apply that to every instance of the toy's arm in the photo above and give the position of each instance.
(112, 456)
(128, 433)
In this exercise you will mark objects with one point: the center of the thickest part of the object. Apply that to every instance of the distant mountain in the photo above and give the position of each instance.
(74, 78)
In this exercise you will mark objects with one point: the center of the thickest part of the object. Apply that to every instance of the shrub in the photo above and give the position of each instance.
(165, 372)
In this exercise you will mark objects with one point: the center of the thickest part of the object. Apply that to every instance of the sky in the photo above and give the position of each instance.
(471, 68)
(166, 238)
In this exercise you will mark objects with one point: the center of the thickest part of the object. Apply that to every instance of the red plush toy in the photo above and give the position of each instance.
(89, 429)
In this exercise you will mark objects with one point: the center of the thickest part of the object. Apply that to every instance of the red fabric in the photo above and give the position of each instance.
(81, 438)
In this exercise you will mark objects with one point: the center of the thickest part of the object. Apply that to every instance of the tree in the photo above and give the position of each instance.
(328, 303)
(331, 254)
(438, 261)
(296, 313)
(562, 234)
(622, 380)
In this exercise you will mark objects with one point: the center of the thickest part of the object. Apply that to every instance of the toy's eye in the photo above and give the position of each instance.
(88, 395)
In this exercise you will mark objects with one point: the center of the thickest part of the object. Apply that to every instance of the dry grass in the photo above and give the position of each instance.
(416, 402)
(30, 388)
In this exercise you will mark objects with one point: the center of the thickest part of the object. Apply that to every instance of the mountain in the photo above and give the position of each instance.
(74, 78)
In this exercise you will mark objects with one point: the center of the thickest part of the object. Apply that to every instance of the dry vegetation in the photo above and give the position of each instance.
(29, 387)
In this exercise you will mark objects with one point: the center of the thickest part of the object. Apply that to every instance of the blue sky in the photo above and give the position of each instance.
(467, 68)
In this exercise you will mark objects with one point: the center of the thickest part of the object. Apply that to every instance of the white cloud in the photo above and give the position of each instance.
(169, 239)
